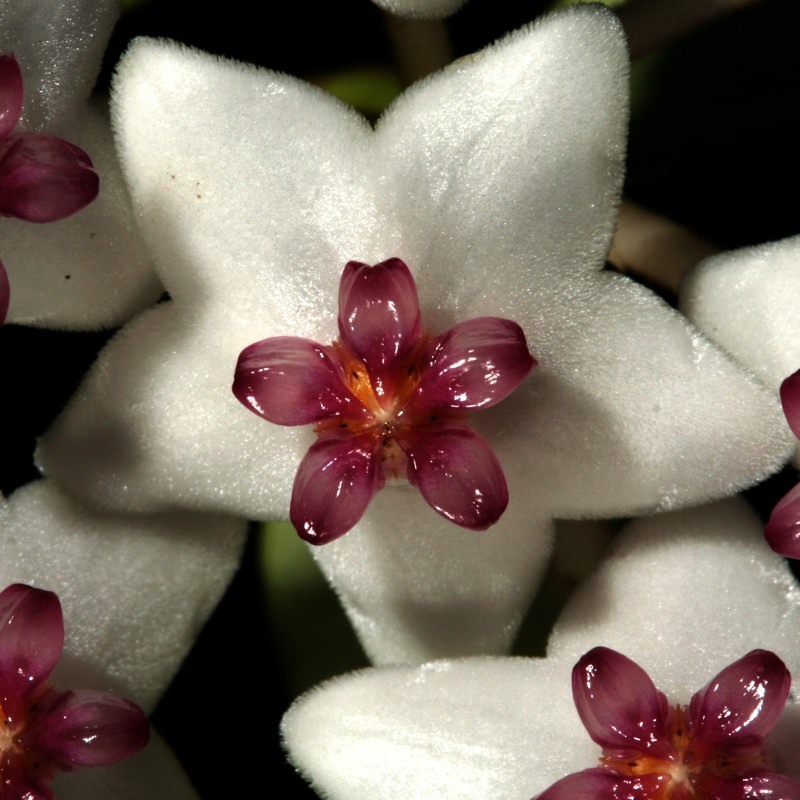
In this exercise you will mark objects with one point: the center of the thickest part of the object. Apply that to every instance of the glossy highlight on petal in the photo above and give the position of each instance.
(618, 704)
(602, 784)
(293, 381)
(457, 473)
(44, 178)
(474, 365)
(88, 728)
(334, 485)
(790, 399)
(10, 95)
(31, 641)
(782, 531)
(740, 705)
(379, 317)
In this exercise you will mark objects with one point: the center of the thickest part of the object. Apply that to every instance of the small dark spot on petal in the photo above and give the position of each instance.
(67, 277)
(342, 424)
(356, 375)
(433, 418)
(92, 235)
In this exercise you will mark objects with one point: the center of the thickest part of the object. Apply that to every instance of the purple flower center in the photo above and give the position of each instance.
(388, 402)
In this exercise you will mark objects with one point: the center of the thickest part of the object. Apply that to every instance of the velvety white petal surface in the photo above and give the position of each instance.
(476, 728)
(421, 9)
(496, 181)
(747, 301)
(152, 774)
(91, 270)
(135, 591)
(416, 587)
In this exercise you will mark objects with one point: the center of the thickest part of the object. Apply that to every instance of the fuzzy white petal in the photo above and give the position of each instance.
(476, 728)
(421, 9)
(135, 591)
(746, 301)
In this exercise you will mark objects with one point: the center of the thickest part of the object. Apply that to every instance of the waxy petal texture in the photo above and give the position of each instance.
(783, 528)
(458, 474)
(90, 270)
(790, 399)
(600, 784)
(10, 95)
(89, 728)
(763, 786)
(333, 487)
(4, 293)
(506, 728)
(292, 381)
(379, 317)
(31, 641)
(44, 178)
(526, 138)
(618, 704)
(474, 365)
(741, 705)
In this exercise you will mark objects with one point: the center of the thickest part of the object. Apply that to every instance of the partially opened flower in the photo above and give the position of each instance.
(90, 270)
(686, 594)
(783, 528)
(388, 402)
(45, 730)
(42, 178)
(496, 181)
(714, 748)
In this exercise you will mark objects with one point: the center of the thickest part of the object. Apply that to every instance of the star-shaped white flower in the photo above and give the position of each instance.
(496, 181)
(90, 270)
(135, 591)
(684, 595)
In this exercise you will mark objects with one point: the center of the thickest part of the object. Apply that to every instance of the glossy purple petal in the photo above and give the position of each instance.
(31, 641)
(379, 317)
(790, 398)
(293, 381)
(43, 178)
(603, 784)
(474, 365)
(741, 705)
(457, 473)
(18, 784)
(619, 705)
(5, 293)
(334, 484)
(87, 728)
(10, 95)
(783, 528)
(763, 786)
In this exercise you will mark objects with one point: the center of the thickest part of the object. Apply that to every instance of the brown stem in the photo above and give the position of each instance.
(655, 248)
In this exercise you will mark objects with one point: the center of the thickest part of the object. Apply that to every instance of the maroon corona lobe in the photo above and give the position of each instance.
(783, 528)
(712, 749)
(42, 178)
(45, 730)
(388, 402)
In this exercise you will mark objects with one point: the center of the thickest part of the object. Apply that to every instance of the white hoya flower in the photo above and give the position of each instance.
(496, 181)
(92, 269)
(683, 595)
(135, 591)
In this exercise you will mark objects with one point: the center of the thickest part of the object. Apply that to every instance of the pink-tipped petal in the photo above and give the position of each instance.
(762, 786)
(783, 528)
(741, 705)
(379, 317)
(5, 293)
(619, 705)
(87, 728)
(334, 484)
(10, 95)
(603, 784)
(473, 365)
(457, 473)
(293, 381)
(790, 398)
(31, 640)
(43, 178)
